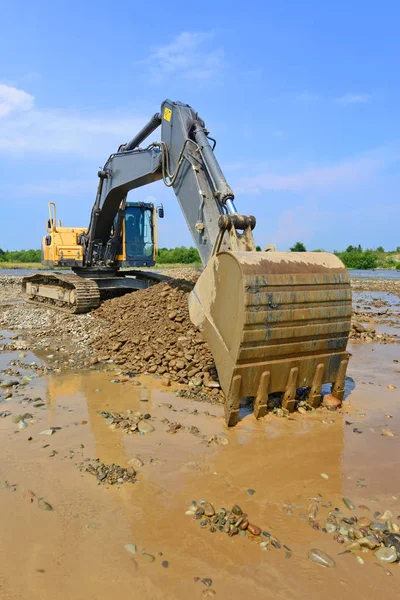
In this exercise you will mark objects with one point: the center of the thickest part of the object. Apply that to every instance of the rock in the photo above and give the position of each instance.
(131, 548)
(363, 522)
(386, 555)
(324, 476)
(11, 383)
(254, 530)
(145, 427)
(208, 593)
(165, 564)
(330, 402)
(321, 558)
(47, 432)
(44, 505)
(368, 542)
(17, 418)
(387, 432)
(360, 560)
(387, 515)
(358, 327)
(165, 382)
(349, 503)
(376, 526)
(209, 510)
(149, 557)
(251, 492)
(212, 384)
(22, 425)
(393, 539)
(237, 510)
(391, 387)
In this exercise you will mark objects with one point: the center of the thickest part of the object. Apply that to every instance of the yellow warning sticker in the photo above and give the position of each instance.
(167, 114)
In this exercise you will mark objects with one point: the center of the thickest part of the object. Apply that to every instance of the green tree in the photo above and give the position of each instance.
(380, 249)
(180, 255)
(298, 247)
(359, 260)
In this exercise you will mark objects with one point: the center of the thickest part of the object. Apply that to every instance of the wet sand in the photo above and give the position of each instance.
(77, 550)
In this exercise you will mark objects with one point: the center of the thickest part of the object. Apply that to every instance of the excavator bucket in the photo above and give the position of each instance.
(275, 322)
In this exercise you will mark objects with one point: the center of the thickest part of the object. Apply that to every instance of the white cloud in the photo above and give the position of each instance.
(11, 99)
(189, 55)
(320, 178)
(353, 99)
(25, 130)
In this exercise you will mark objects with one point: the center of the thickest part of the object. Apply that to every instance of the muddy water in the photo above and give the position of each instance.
(77, 550)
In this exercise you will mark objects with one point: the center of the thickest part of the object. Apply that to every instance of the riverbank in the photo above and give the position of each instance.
(100, 467)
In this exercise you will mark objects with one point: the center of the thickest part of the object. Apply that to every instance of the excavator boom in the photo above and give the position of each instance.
(275, 321)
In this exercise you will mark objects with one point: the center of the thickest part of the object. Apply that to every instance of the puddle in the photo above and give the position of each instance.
(77, 550)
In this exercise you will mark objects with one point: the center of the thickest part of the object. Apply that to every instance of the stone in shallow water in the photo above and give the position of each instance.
(376, 526)
(321, 558)
(131, 548)
(145, 427)
(386, 555)
(349, 503)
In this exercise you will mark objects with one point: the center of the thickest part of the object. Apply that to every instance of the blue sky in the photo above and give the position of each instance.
(303, 98)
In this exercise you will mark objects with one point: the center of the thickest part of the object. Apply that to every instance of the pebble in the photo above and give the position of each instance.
(7, 384)
(254, 529)
(360, 560)
(149, 557)
(377, 526)
(44, 505)
(321, 558)
(349, 503)
(330, 402)
(47, 432)
(386, 516)
(145, 427)
(209, 593)
(209, 510)
(131, 548)
(324, 475)
(251, 492)
(22, 425)
(165, 564)
(237, 510)
(386, 555)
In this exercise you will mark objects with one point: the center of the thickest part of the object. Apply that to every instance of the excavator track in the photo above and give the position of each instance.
(68, 293)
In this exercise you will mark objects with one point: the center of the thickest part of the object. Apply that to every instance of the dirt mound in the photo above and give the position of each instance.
(150, 331)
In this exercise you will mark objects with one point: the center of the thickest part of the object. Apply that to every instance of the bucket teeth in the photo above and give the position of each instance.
(261, 399)
(289, 397)
(314, 395)
(338, 385)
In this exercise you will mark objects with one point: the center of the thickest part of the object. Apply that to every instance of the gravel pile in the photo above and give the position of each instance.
(369, 334)
(149, 331)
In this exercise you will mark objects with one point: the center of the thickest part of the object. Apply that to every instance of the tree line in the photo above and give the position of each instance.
(354, 257)
(23, 256)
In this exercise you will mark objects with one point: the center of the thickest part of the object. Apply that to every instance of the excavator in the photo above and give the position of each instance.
(275, 322)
